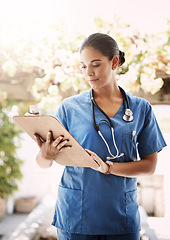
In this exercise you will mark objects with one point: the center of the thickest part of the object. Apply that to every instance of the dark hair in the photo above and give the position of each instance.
(105, 44)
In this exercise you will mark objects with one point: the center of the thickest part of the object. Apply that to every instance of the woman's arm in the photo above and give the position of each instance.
(43, 162)
(146, 166)
(49, 149)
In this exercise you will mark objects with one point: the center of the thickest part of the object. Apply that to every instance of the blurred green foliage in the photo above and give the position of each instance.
(10, 164)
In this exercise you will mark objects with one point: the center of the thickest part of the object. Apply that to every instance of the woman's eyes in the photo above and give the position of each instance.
(96, 65)
(83, 67)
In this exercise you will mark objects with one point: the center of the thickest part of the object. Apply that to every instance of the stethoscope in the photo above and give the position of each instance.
(128, 117)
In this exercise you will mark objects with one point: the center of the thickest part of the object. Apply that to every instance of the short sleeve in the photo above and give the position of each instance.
(150, 138)
(61, 115)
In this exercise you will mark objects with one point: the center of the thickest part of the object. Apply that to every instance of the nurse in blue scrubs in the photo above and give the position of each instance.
(101, 203)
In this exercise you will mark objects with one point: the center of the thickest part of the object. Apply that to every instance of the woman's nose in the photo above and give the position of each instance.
(89, 72)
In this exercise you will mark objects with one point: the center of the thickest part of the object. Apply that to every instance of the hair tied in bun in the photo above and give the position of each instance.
(121, 57)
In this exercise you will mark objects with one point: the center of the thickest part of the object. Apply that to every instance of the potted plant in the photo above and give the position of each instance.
(10, 164)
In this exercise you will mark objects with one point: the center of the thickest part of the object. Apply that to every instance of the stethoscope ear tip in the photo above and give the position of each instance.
(117, 156)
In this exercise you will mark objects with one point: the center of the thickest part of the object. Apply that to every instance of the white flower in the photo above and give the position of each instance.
(149, 84)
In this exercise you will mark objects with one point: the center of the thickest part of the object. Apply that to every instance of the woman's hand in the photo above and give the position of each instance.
(146, 166)
(49, 148)
(102, 166)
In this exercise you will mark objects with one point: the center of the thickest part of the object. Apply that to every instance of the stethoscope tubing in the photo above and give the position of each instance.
(126, 117)
(94, 103)
(94, 121)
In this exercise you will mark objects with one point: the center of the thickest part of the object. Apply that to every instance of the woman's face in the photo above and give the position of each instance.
(96, 68)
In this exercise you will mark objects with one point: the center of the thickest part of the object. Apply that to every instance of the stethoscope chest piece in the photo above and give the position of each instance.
(128, 116)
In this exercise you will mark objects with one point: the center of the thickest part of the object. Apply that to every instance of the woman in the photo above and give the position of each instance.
(101, 203)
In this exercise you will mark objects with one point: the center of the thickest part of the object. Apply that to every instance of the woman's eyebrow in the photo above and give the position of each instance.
(94, 60)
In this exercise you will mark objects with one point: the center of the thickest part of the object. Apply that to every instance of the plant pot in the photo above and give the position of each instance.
(25, 205)
(2, 208)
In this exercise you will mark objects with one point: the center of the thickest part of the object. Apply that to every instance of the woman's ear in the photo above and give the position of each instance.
(115, 62)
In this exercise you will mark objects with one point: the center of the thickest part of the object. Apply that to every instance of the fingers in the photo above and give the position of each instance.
(57, 145)
(90, 152)
(97, 159)
(94, 156)
(49, 137)
(64, 147)
(56, 142)
(38, 140)
(61, 145)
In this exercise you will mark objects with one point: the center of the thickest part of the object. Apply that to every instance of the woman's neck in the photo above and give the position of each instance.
(109, 93)
(109, 100)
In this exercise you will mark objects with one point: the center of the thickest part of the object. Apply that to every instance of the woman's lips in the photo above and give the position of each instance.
(92, 80)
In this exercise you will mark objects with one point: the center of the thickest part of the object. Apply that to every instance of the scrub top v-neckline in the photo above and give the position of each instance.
(117, 112)
(120, 108)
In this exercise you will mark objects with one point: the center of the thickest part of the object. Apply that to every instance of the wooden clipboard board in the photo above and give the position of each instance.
(74, 156)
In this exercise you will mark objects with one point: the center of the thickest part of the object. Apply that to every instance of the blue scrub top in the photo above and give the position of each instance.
(88, 201)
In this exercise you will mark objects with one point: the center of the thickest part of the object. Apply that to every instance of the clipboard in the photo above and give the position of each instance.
(74, 156)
